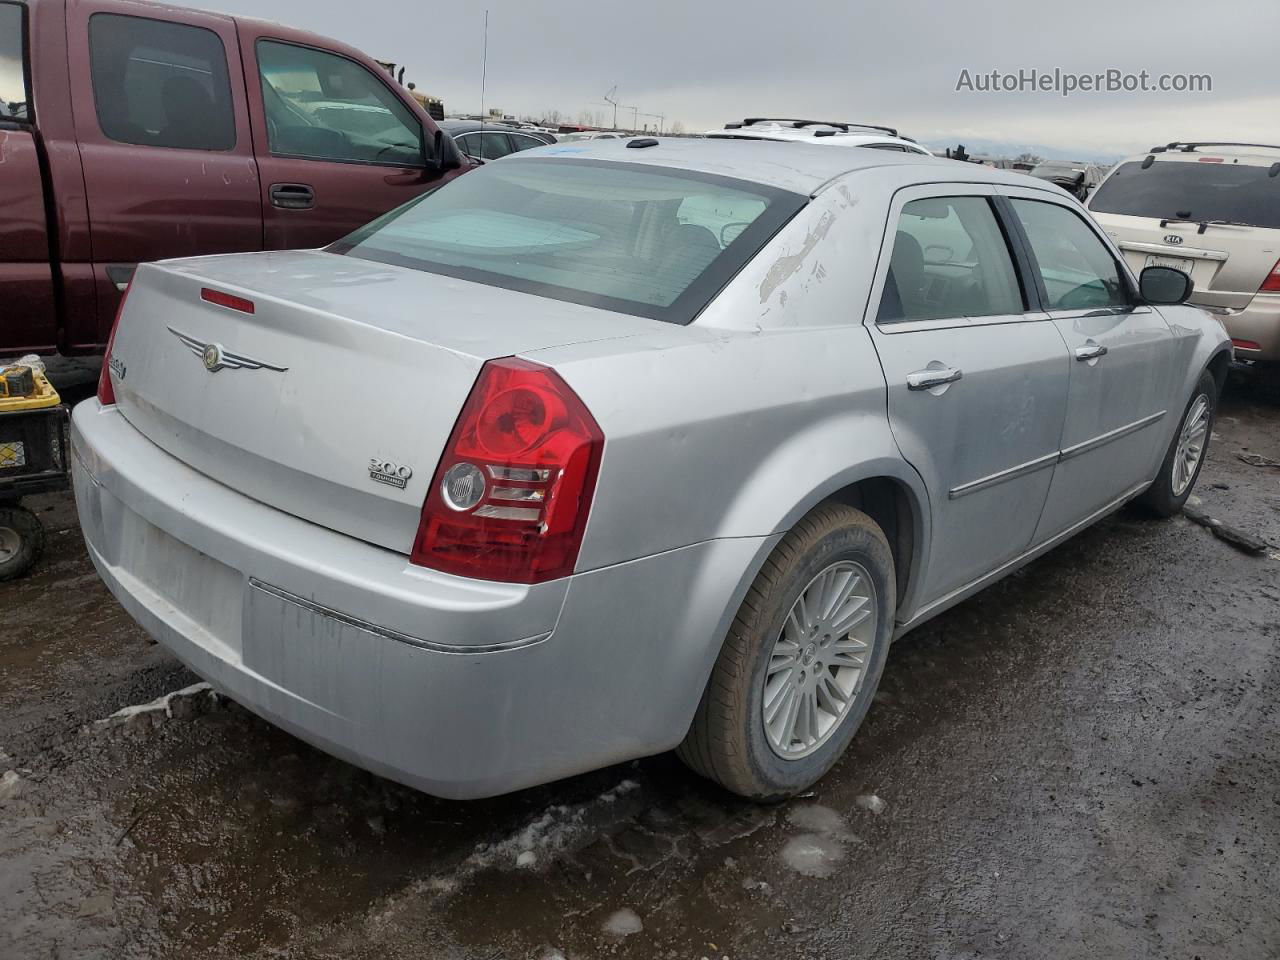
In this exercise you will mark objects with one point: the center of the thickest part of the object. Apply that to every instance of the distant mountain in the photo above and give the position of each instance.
(1010, 149)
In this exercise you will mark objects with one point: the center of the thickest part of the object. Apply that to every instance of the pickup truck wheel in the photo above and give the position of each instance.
(21, 541)
(802, 659)
(1167, 494)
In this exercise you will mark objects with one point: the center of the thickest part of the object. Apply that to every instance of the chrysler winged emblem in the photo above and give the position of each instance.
(215, 357)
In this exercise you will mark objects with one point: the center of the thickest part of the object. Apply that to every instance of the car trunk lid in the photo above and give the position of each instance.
(334, 397)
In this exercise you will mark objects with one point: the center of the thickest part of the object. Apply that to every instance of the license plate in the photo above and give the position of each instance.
(1177, 263)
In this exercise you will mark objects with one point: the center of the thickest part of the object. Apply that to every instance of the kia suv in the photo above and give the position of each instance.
(1211, 210)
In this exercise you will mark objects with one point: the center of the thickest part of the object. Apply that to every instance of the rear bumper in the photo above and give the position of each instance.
(457, 687)
(1258, 323)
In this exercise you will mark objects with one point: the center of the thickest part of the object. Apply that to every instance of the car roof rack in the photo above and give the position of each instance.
(1191, 147)
(842, 125)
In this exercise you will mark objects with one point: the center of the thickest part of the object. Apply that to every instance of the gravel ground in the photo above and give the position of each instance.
(1083, 761)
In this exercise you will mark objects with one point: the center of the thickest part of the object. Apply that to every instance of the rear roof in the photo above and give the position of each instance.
(798, 167)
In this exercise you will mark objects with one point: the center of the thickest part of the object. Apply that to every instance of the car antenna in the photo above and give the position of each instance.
(484, 70)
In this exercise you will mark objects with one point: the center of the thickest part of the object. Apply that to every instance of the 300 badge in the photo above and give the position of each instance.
(385, 471)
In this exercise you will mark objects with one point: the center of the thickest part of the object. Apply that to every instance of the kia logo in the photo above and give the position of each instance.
(1172, 239)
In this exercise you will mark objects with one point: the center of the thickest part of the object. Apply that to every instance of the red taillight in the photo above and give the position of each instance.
(107, 392)
(1272, 283)
(1245, 344)
(510, 497)
(226, 300)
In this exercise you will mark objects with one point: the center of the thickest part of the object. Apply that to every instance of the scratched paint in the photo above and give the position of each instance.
(788, 265)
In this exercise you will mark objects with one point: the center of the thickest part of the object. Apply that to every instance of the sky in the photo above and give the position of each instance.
(706, 62)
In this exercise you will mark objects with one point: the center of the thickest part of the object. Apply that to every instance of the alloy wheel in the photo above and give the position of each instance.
(819, 661)
(1191, 444)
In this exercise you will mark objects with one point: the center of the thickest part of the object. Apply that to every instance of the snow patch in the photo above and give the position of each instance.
(813, 855)
(623, 923)
(869, 801)
(164, 703)
(10, 785)
(816, 818)
(541, 838)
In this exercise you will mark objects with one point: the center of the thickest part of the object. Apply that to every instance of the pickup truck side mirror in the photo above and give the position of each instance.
(444, 153)
(1164, 286)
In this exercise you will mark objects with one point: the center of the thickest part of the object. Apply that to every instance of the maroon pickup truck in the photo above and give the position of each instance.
(133, 131)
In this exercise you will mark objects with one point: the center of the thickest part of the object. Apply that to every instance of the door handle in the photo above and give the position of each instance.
(927, 379)
(292, 196)
(1091, 351)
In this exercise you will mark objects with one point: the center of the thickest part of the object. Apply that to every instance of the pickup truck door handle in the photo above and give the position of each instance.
(1091, 351)
(293, 196)
(932, 377)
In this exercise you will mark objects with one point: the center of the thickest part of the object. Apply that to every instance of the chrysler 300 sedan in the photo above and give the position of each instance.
(614, 448)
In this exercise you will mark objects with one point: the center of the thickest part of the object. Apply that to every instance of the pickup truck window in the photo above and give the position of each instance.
(321, 106)
(15, 99)
(160, 84)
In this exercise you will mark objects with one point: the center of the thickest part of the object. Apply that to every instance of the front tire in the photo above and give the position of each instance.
(802, 659)
(1187, 451)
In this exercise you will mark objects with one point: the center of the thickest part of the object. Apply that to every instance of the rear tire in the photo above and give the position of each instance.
(1176, 479)
(21, 541)
(840, 557)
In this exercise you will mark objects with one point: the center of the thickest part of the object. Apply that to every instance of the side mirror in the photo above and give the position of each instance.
(1164, 286)
(444, 153)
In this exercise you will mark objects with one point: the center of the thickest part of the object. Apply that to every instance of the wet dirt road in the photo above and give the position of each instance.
(1083, 761)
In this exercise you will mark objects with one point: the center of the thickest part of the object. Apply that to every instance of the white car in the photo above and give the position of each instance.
(831, 132)
(585, 135)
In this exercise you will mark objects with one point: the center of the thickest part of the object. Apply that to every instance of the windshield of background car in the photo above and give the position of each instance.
(1192, 191)
(631, 238)
(1058, 170)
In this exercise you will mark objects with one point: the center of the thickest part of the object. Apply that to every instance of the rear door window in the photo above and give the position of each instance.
(15, 98)
(160, 84)
(1077, 269)
(320, 106)
(1196, 191)
(949, 260)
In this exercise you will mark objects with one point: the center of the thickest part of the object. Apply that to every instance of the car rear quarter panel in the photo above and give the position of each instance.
(739, 424)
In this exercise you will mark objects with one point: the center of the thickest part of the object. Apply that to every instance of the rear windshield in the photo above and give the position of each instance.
(1186, 190)
(627, 237)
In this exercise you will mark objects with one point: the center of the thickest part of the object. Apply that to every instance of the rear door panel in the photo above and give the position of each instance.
(986, 444)
(29, 317)
(149, 201)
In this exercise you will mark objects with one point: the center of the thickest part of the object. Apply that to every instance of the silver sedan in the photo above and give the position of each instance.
(613, 448)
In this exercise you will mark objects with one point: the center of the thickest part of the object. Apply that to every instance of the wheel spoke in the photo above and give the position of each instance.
(781, 662)
(830, 696)
(841, 585)
(780, 701)
(858, 613)
(789, 721)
